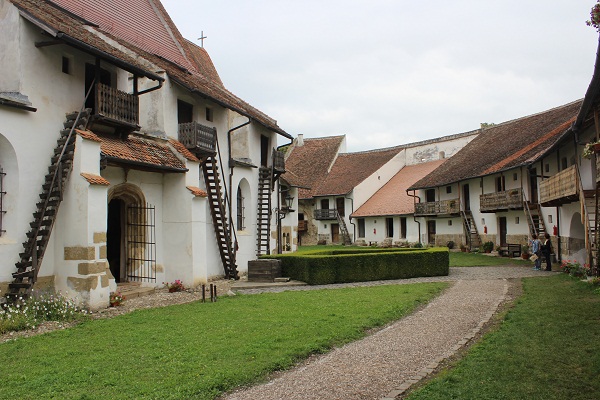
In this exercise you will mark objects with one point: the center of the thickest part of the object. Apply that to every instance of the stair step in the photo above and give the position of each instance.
(20, 285)
(24, 274)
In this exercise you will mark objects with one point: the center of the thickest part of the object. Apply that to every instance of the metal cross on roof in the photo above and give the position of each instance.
(201, 38)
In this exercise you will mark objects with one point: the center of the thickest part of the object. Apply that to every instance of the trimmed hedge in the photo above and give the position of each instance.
(360, 265)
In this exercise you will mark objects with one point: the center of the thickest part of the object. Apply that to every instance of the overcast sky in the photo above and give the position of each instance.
(389, 72)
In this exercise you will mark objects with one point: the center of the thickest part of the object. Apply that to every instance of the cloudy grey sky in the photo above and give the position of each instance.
(388, 72)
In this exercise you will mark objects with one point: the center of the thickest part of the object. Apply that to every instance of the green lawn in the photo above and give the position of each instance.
(197, 351)
(545, 348)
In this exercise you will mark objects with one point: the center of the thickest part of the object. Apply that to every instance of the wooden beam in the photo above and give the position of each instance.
(46, 43)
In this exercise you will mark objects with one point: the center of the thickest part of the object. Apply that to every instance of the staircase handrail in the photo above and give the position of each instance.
(227, 204)
(54, 177)
(584, 215)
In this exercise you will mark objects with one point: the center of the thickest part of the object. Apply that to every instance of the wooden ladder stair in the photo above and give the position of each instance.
(343, 229)
(535, 219)
(210, 169)
(473, 238)
(592, 205)
(263, 216)
(44, 217)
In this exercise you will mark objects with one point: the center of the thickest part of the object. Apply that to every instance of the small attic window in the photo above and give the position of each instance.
(209, 114)
(66, 65)
(448, 189)
(515, 177)
(547, 167)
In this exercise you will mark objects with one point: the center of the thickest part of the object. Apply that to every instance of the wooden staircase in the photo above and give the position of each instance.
(591, 207)
(263, 218)
(343, 229)
(44, 217)
(216, 201)
(535, 219)
(470, 228)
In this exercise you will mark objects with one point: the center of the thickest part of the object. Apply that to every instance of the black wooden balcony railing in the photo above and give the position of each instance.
(443, 207)
(116, 107)
(560, 188)
(198, 138)
(326, 213)
(511, 199)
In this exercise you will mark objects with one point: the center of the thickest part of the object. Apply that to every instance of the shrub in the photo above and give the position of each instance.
(487, 247)
(176, 286)
(359, 265)
(450, 244)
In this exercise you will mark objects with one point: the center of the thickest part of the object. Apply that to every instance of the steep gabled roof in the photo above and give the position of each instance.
(144, 28)
(392, 198)
(504, 146)
(350, 169)
(307, 165)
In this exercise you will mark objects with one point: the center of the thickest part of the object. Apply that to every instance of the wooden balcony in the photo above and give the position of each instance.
(197, 138)
(116, 108)
(278, 161)
(443, 207)
(560, 188)
(302, 226)
(325, 213)
(511, 199)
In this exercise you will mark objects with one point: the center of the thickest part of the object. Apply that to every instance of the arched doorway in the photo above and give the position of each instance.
(130, 244)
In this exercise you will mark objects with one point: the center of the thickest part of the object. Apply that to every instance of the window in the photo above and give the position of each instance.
(550, 218)
(209, 114)
(361, 227)
(563, 163)
(448, 189)
(547, 167)
(402, 228)
(240, 210)
(324, 204)
(515, 177)
(66, 65)
(449, 222)
(2, 193)
(389, 227)
(517, 220)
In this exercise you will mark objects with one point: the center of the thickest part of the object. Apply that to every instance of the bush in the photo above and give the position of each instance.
(361, 265)
(450, 244)
(488, 247)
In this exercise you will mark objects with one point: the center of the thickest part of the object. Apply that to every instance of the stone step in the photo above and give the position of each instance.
(131, 290)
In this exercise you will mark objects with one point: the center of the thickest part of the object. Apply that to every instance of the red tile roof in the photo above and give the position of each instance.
(177, 145)
(196, 191)
(144, 27)
(350, 169)
(392, 199)
(150, 152)
(88, 135)
(307, 165)
(95, 179)
(505, 146)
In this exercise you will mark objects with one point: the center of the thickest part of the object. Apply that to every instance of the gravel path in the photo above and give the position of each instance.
(385, 364)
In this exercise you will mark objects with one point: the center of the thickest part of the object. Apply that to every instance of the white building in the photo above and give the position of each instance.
(170, 176)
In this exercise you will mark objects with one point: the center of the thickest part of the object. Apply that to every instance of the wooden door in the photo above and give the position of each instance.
(502, 230)
(335, 233)
(466, 198)
(264, 151)
(431, 232)
(533, 185)
(340, 206)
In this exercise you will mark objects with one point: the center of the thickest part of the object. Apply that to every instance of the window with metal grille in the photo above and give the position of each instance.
(241, 218)
(141, 243)
(2, 193)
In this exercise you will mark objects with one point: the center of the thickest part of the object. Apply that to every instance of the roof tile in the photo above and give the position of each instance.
(95, 179)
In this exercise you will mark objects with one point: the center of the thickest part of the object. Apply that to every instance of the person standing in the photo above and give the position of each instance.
(546, 251)
(536, 248)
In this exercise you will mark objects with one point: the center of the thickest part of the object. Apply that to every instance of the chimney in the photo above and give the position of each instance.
(300, 140)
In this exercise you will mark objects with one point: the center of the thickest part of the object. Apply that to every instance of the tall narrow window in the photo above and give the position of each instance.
(240, 210)
(209, 114)
(2, 193)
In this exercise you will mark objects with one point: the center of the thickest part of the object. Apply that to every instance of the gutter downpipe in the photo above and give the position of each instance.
(231, 166)
(414, 216)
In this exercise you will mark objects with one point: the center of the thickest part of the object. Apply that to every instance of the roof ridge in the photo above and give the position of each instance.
(382, 150)
(531, 115)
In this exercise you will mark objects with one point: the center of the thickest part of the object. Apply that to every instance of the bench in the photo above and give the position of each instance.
(510, 250)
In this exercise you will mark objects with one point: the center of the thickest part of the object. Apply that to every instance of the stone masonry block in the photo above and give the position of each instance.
(99, 237)
(80, 253)
(89, 268)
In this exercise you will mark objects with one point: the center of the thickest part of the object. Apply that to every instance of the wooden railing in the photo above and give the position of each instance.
(278, 161)
(116, 105)
(560, 188)
(198, 137)
(326, 213)
(511, 199)
(438, 207)
(302, 226)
